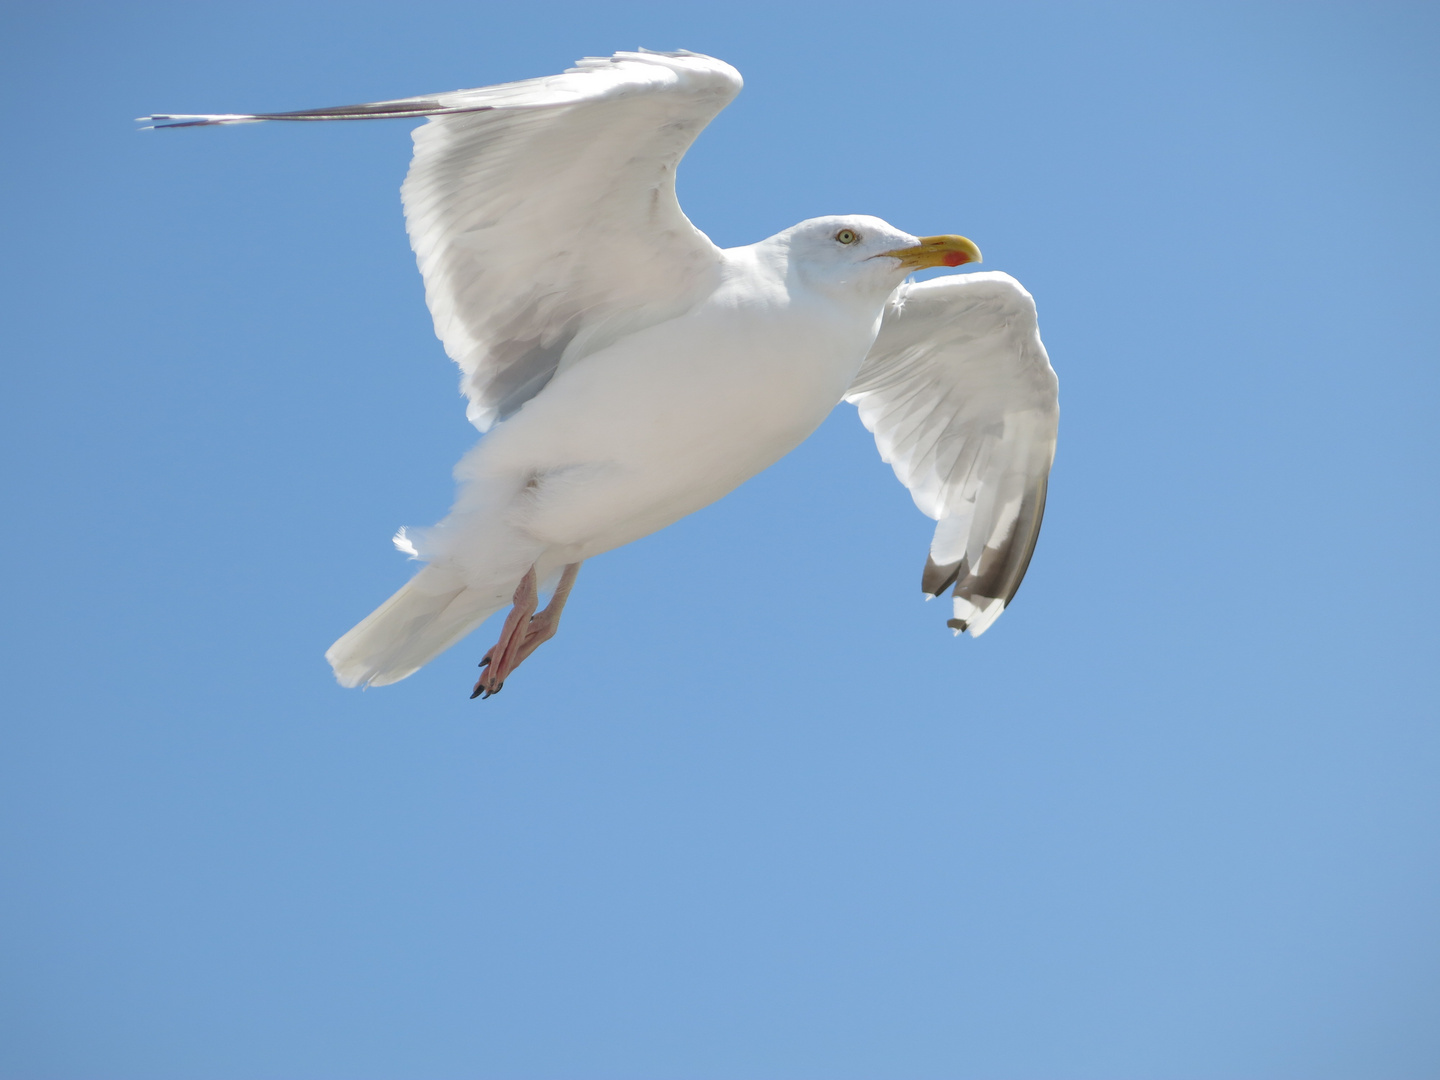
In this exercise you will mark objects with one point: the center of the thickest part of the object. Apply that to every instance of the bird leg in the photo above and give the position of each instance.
(503, 657)
(525, 630)
(544, 624)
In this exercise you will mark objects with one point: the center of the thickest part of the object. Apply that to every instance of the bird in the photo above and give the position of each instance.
(625, 371)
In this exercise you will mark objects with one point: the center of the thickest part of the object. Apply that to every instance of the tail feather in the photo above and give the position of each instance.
(431, 612)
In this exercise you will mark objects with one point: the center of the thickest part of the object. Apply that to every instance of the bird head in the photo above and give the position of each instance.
(855, 252)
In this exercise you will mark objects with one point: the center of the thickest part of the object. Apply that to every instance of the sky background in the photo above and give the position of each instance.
(754, 813)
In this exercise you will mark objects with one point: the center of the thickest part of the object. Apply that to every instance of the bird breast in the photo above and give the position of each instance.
(668, 419)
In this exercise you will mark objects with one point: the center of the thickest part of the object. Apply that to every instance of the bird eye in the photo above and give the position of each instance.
(846, 236)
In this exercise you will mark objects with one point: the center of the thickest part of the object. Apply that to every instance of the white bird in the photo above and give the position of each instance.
(629, 372)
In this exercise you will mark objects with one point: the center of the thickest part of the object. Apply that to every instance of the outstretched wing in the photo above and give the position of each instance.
(964, 406)
(543, 213)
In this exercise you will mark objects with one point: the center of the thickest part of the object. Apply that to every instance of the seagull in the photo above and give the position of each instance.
(627, 372)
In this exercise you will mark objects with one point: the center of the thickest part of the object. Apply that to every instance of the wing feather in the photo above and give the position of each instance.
(548, 227)
(963, 403)
(543, 213)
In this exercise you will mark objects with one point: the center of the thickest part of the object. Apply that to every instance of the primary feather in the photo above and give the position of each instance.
(964, 405)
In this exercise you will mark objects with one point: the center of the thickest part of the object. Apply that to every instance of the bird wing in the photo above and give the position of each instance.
(963, 403)
(543, 213)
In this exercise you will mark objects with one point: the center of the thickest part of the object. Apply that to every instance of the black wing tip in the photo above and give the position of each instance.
(935, 579)
(1004, 566)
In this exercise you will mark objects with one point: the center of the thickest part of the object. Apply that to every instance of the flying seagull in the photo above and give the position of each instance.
(629, 372)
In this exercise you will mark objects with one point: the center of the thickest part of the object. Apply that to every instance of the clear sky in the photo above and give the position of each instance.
(754, 813)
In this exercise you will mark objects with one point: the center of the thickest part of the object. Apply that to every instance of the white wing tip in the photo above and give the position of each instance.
(973, 617)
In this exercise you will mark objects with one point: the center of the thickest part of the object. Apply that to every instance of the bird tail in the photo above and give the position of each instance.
(431, 612)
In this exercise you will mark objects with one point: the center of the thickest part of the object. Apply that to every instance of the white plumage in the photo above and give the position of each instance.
(963, 403)
(629, 372)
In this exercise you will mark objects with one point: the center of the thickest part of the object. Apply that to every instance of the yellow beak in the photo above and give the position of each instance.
(937, 251)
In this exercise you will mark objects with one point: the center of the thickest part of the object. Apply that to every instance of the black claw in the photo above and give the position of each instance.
(483, 692)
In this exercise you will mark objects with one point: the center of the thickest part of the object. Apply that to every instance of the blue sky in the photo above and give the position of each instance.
(754, 813)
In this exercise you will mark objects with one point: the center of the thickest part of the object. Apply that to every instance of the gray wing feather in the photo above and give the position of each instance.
(543, 213)
(963, 403)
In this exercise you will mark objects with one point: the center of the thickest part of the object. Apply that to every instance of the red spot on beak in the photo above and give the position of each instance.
(955, 258)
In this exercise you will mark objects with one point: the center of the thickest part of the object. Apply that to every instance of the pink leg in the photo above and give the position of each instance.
(543, 625)
(515, 643)
(501, 659)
